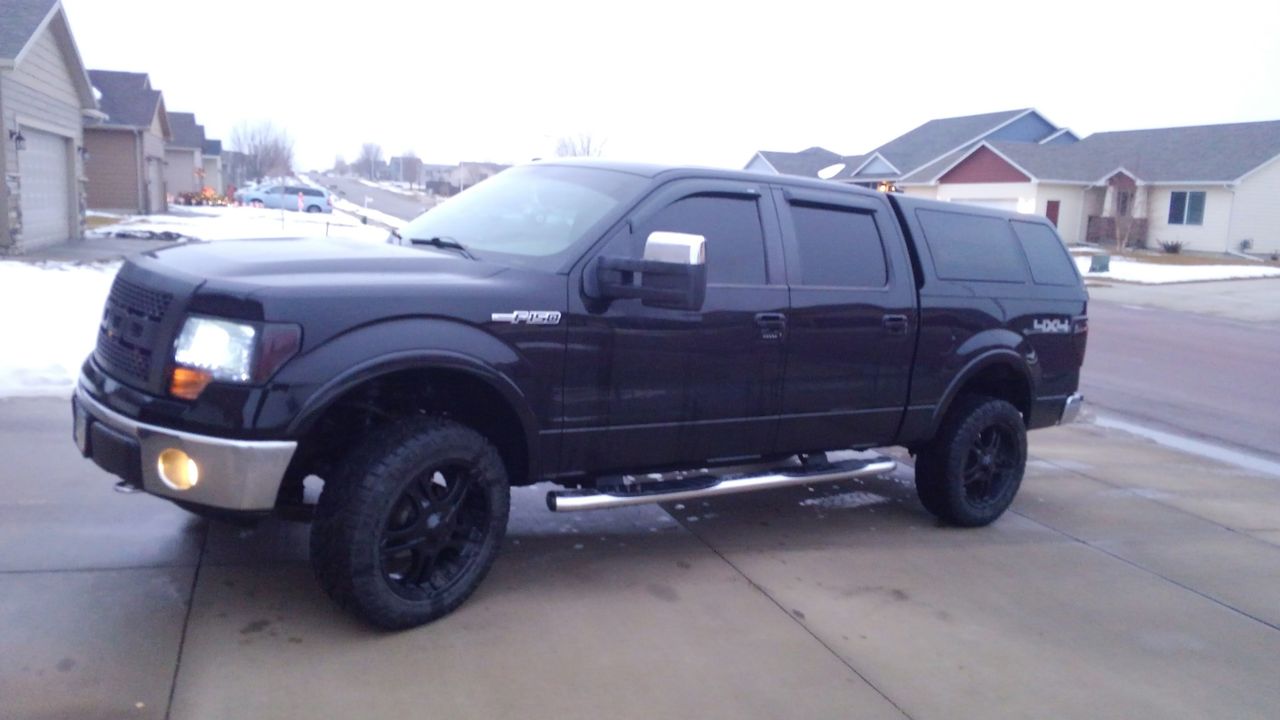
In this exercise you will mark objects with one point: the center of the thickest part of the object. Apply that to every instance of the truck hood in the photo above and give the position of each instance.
(313, 262)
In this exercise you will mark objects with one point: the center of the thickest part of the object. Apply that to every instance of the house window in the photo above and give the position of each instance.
(1186, 208)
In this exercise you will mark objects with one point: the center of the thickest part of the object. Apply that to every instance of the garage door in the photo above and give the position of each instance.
(1010, 204)
(46, 188)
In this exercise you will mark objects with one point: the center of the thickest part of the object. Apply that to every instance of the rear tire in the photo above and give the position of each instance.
(258, 204)
(970, 473)
(313, 208)
(411, 524)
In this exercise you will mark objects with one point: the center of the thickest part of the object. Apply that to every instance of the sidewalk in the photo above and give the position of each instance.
(1243, 300)
(1128, 580)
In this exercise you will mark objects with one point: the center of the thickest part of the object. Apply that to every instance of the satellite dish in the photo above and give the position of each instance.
(830, 171)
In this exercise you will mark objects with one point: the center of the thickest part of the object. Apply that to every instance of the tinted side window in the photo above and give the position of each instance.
(1050, 262)
(838, 247)
(731, 225)
(972, 247)
(312, 192)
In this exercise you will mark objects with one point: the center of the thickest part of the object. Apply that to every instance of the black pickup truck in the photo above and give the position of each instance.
(631, 333)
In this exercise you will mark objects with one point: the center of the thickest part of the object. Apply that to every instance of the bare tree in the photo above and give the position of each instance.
(370, 158)
(410, 168)
(580, 145)
(340, 165)
(268, 149)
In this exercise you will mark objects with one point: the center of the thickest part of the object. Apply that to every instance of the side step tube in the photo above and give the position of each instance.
(710, 486)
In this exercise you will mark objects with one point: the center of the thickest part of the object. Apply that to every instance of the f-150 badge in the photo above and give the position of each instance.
(1056, 326)
(528, 317)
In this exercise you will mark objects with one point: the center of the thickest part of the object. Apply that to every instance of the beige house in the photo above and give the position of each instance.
(1212, 188)
(125, 162)
(184, 155)
(44, 97)
(213, 176)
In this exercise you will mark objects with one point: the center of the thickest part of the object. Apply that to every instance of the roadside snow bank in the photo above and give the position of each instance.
(50, 324)
(1158, 274)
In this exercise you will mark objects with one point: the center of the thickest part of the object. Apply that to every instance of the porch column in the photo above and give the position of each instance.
(1109, 202)
(1140, 196)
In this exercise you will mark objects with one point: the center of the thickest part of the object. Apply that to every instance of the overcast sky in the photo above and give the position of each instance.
(683, 82)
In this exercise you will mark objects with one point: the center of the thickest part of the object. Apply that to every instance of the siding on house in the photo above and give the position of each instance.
(1257, 210)
(984, 166)
(929, 192)
(1072, 219)
(113, 162)
(1211, 236)
(39, 90)
(153, 170)
(39, 93)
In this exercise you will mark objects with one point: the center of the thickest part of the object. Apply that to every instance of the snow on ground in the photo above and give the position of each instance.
(43, 351)
(1145, 273)
(235, 223)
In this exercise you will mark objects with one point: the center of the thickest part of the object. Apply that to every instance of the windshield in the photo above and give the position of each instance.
(529, 214)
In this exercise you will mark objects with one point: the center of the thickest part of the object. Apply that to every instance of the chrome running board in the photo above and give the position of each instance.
(707, 485)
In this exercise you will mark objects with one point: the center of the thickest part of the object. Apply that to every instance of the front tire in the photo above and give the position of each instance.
(410, 526)
(970, 473)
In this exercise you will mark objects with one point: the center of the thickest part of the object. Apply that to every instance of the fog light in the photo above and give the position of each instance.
(178, 470)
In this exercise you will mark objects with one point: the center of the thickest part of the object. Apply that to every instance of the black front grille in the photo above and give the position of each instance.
(128, 337)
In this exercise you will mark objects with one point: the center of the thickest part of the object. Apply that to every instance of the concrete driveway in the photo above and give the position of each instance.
(1130, 581)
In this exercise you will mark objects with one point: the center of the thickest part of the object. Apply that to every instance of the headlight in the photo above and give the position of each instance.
(222, 348)
(209, 349)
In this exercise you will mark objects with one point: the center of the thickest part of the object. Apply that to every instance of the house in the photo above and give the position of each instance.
(184, 155)
(1212, 188)
(404, 168)
(125, 160)
(467, 174)
(907, 154)
(213, 176)
(44, 97)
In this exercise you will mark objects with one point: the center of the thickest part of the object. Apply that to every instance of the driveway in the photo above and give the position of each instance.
(1128, 581)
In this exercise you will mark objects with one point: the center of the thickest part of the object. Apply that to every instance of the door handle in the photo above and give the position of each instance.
(773, 326)
(896, 324)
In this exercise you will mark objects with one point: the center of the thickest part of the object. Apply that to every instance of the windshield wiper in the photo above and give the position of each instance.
(442, 241)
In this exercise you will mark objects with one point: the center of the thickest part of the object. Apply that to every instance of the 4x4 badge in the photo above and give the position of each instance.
(1054, 326)
(528, 317)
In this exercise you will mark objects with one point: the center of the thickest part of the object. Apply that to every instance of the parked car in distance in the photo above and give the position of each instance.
(286, 197)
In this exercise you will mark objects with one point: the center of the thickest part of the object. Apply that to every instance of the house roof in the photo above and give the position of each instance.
(942, 136)
(1203, 153)
(125, 97)
(806, 163)
(186, 133)
(22, 18)
(212, 147)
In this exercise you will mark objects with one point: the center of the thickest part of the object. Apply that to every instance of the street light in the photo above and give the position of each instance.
(19, 140)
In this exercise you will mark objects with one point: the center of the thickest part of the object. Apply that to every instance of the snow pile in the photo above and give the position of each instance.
(238, 223)
(1145, 273)
(50, 325)
(375, 216)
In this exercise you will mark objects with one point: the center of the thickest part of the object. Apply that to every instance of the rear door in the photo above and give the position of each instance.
(851, 326)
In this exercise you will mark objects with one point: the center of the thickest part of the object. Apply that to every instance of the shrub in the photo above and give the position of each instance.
(1173, 247)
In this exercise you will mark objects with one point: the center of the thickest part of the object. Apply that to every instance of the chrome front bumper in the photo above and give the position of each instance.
(1071, 409)
(240, 475)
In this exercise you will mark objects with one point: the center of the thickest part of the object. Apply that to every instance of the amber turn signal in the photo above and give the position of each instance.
(188, 383)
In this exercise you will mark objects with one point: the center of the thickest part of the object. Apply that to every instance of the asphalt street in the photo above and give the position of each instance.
(1211, 378)
(392, 203)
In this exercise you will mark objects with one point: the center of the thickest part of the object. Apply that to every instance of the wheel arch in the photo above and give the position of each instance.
(434, 381)
(1000, 373)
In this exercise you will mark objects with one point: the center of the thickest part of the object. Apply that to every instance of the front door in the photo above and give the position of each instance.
(851, 327)
(651, 387)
